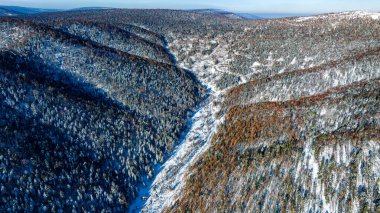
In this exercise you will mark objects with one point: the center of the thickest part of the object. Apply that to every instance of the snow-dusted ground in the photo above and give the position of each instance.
(354, 14)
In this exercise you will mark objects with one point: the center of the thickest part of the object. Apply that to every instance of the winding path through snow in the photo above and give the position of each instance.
(171, 176)
(168, 183)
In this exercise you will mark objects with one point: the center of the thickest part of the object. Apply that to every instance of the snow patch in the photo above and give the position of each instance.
(256, 64)
(294, 61)
(302, 19)
(349, 15)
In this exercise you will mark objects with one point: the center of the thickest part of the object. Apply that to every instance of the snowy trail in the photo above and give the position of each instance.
(168, 183)
(171, 176)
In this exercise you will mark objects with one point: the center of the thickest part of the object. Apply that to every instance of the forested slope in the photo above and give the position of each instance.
(83, 122)
(301, 117)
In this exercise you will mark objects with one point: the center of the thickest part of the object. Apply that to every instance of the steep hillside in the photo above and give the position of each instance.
(318, 153)
(114, 37)
(84, 124)
(128, 79)
(300, 131)
(267, 47)
(305, 82)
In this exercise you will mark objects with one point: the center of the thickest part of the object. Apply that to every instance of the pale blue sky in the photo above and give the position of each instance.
(273, 6)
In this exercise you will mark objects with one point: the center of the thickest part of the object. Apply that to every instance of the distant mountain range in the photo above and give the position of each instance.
(90, 8)
(6, 12)
(277, 15)
(219, 12)
(16, 10)
(25, 10)
(249, 16)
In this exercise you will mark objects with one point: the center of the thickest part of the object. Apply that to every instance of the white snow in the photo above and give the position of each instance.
(346, 15)
(307, 59)
(301, 19)
(256, 64)
(357, 14)
(294, 61)
(375, 16)
(168, 183)
(323, 111)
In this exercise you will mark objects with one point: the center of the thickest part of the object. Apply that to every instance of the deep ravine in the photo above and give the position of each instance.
(159, 191)
(164, 188)
(170, 180)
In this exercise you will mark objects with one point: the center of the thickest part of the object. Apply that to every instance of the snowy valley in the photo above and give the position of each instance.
(118, 110)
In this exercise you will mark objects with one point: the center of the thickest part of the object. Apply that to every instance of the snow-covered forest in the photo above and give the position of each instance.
(166, 110)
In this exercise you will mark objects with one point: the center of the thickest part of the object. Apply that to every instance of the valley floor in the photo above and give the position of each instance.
(165, 187)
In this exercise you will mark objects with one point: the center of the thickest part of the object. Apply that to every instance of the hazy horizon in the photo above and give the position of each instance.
(244, 6)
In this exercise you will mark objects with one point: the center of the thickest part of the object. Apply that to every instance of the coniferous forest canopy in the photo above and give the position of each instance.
(118, 110)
